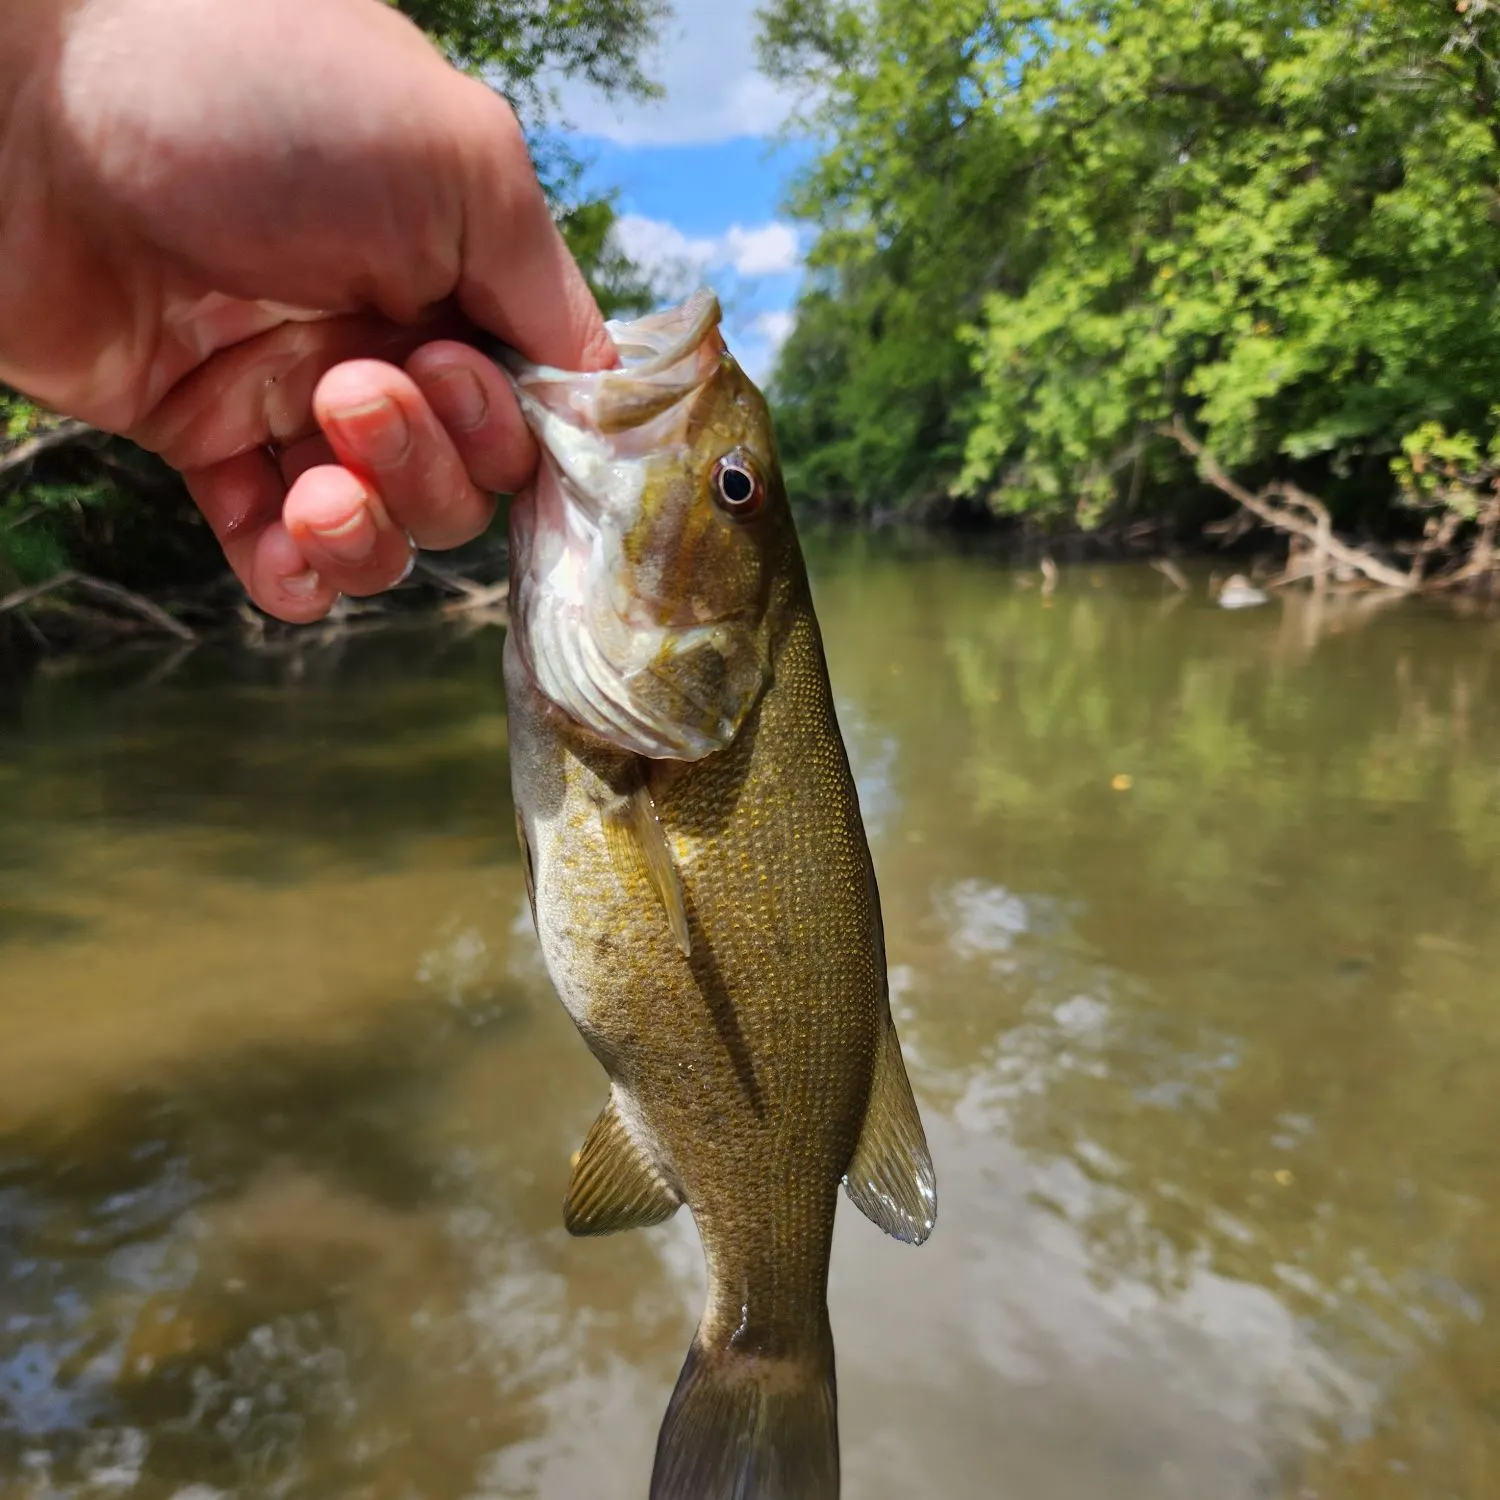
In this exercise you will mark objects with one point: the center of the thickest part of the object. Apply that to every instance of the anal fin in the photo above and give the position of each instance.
(891, 1180)
(637, 840)
(613, 1185)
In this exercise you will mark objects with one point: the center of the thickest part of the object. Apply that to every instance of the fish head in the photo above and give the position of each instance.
(643, 554)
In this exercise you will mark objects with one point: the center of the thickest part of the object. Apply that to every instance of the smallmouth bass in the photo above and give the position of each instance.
(701, 882)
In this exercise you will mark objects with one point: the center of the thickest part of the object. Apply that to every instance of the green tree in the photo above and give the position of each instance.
(516, 45)
(1046, 228)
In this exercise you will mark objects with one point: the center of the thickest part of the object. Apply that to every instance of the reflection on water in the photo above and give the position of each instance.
(1191, 918)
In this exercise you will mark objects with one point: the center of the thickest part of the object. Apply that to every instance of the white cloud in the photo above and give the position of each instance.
(663, 248)
(679, 262)
(774, 328)
(770, 250)
(759, 344)
(706, 64)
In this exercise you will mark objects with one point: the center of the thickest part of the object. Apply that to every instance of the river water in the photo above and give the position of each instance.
(1194, 946)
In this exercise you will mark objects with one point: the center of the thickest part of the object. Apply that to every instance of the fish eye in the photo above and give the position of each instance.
(738, 489)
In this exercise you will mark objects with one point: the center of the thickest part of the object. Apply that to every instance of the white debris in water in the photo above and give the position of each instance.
(1240, 593)
(1082, 1017)
(121, 1456)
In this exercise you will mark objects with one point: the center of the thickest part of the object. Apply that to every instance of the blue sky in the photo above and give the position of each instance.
(701, 173)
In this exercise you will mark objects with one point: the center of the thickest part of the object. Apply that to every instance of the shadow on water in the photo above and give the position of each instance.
(1191, 926)
(289, 758)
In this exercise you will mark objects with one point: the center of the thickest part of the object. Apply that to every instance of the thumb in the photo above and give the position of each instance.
(517, 278)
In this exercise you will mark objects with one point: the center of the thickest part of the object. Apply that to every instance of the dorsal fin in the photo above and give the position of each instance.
(637, 841)
(891, 1180)
(614, 1186)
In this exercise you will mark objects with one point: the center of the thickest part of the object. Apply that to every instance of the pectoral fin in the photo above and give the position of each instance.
(638, 841)
(614, 1186)
(891, 1180)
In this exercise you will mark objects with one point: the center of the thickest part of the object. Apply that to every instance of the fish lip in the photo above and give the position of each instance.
(647, 345)
(598, 427)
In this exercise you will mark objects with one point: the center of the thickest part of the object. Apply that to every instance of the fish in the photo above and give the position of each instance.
(701, 883)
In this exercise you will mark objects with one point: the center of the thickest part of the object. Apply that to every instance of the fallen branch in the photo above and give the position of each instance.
(492, 598)
(112, 593)
(1171, 572)
(455, 583)
(17, 522)
(23, 455)
(472, 595)
(1314, 524)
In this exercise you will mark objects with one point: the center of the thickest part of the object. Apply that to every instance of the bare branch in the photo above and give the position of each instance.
(1186, 89)
(490, 599)
(1171, 572)
(1313, 523)
(113, 593)
(455, 583)
(62, 436)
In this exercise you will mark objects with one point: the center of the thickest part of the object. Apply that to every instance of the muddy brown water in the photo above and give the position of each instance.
(1194, 943)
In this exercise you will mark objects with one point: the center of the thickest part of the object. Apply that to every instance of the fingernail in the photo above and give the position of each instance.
(377, 431)
(351, 540)
(458, 399)
(302, 585)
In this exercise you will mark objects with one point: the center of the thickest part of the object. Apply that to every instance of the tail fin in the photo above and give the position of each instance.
(747, 1427)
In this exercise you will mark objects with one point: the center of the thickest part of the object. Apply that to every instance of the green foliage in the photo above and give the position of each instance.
(1439, 470)
(1453, 482)
(29, 542)
(18, 416)
(874, 389)
(1045, 229)
(33, 528)
(515, 44)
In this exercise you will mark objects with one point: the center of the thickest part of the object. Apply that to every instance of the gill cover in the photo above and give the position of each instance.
(638, 605)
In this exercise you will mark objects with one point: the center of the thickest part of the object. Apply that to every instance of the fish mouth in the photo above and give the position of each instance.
(593, 627)
(662, 340)
(593, 425)
(648, 346)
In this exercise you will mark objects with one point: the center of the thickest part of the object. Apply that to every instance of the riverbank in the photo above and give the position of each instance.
(59, 633)
(74, 613)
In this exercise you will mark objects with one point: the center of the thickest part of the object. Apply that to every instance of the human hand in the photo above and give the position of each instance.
(243, 233)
